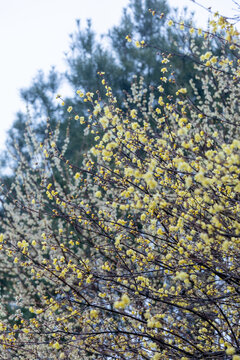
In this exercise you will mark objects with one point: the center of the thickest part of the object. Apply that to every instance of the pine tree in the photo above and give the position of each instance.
(115, 56)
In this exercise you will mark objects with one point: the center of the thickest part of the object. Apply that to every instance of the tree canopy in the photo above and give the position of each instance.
(132, 252)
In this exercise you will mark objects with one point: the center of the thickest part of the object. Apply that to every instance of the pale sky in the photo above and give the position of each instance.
(34, 34)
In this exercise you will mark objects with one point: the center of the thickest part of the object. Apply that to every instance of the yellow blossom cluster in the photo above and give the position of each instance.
(136, 249)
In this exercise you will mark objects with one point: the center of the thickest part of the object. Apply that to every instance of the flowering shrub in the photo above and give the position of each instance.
(135, 254)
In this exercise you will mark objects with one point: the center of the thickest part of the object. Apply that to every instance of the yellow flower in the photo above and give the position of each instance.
(134, 125)
(236, 357)
(104, 122)
(93, 314)
(39, 311)
(197, 137)
(98, 194)
(56, 345)
(125, 301)
(230, 350)
(80, 93)
(143, 217)
(213, 60)
(133, 113)
(181, 25)
(181, 276)
(208, 54)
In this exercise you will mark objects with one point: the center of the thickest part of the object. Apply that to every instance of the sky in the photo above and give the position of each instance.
(34, 34)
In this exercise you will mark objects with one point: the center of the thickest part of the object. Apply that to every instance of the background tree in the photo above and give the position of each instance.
(115, 56)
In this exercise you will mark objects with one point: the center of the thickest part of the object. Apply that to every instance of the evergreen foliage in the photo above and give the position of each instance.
(113, 55)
